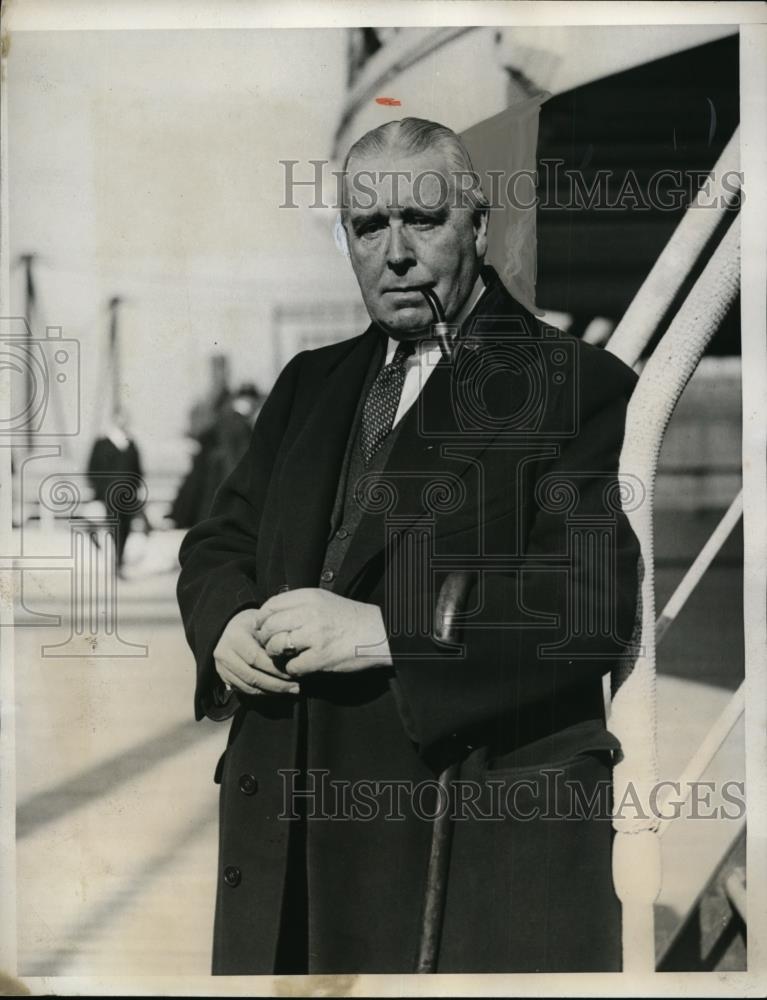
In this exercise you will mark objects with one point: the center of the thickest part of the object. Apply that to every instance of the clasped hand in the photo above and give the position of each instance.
(328, 632)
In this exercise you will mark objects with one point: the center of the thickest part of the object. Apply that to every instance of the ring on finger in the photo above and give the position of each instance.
(289, 649)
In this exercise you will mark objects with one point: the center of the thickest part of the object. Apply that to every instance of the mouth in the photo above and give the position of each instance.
(409, 290)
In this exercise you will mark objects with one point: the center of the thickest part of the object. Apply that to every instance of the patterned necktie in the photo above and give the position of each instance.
(383, 401)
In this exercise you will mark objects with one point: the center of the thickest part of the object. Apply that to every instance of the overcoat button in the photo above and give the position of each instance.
(248, 784)
(232, 876)
(327, 575)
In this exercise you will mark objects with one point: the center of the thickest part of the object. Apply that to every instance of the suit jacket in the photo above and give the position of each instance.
(504, 469)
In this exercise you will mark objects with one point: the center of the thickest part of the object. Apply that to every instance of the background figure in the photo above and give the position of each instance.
(114, 460)
(222, 442)
(205, 410)
(198, 487)
(235, 426)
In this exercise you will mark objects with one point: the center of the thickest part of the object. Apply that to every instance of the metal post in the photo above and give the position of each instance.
(114, 354)
(29, 306)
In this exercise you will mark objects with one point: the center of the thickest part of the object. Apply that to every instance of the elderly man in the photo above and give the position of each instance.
(379, 468)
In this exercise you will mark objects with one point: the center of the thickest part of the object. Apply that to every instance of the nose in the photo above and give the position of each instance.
(400, 257)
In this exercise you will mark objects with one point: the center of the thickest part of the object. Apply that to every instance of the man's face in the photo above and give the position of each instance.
(405, 232)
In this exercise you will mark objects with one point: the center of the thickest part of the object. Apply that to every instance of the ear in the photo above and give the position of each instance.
(339, 235)
(481, 219)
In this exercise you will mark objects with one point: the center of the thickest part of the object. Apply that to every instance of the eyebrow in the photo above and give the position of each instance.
(366, 220)
(409, 215)
(437, 214)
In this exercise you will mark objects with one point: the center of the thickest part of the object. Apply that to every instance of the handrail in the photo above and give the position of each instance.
(636, 849)
(702, 561)
(705, 938)
(706, 752)
(645, 313)
(735, 707)
(735, 890)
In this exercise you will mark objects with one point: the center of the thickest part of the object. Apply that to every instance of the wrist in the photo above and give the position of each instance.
(376, 651)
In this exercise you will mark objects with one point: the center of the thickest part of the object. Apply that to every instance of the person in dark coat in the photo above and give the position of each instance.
(377, 468)
(222, 443)
(234, 427)
(116, 478)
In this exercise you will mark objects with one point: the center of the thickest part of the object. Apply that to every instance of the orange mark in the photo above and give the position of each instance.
(390, 102)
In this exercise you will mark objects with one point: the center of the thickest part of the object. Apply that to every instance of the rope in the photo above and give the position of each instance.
(633, 718)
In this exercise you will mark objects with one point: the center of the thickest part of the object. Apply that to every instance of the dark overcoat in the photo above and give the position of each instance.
(504, 468)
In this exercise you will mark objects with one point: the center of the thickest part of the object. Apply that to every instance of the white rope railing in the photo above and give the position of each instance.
(633, 720)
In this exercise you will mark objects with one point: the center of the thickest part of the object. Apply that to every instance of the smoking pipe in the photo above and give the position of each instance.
(441, 330)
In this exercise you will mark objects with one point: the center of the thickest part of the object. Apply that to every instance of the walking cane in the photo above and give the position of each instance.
(452, 597)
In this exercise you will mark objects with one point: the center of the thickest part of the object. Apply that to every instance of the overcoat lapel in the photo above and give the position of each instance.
(309, 477)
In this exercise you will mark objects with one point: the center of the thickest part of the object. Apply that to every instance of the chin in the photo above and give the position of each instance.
(404, 321)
